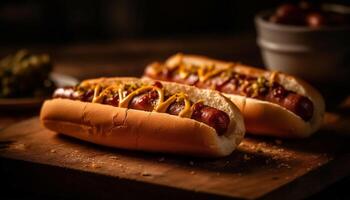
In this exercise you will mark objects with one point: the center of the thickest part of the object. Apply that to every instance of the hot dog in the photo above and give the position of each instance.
(146, 115)
(272, 103)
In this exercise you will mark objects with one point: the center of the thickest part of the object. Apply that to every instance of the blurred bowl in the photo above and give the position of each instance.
(27, 103)
(318, 55)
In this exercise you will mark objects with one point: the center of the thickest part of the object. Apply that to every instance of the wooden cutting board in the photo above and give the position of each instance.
(33, 157)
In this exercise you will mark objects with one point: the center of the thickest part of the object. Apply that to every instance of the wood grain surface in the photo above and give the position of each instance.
(261, 167)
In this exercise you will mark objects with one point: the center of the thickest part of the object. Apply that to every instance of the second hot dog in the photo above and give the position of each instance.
(272, 103)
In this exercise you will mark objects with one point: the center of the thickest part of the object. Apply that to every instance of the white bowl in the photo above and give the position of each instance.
(315, 54)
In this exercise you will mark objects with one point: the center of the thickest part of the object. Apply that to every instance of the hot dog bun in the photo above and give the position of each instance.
(263, 117)
(148, 131)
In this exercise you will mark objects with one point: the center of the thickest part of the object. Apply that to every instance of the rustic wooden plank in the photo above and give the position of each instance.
(260, 168)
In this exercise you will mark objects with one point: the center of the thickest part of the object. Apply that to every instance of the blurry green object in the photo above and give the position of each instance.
(25, 75)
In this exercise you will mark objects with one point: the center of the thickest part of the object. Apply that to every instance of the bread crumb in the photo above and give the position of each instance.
(18, 146)
(53, 150)
(262, 144)
(192, 172)
(120, 165)
(146, 174)
(95, 166)
(284, 165)
(114, 157)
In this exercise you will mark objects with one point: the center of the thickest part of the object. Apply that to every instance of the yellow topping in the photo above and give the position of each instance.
(210, 74)
(273, 77)
(99, 95)
(124, 100)
(204, 73)
(164, 105)
(186, 112)
(183, 71)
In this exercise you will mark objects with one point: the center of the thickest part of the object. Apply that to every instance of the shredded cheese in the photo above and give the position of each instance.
(97, 97)
(273, 77)
(204, 73)
(124, 100)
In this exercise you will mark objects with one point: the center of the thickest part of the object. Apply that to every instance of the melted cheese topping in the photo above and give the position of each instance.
(186, 112)
(273, 77)
(100, 94)
(210, 74)
(124, 100)
(204, 72)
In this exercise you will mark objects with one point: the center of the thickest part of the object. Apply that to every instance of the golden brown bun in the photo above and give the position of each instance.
(147, 131)
(262, 117)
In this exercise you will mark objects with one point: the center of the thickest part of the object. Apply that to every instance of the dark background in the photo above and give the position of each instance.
(62, 21)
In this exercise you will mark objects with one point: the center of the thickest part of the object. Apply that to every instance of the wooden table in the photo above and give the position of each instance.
(127, 58)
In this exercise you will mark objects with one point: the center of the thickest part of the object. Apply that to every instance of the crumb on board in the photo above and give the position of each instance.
(140, 165)
(283, 165)
(18, 146)
(114, 157)
(53, 150)
(274, 151)
(95, 166)
(192, 172)
(145, 173)
(262, 144)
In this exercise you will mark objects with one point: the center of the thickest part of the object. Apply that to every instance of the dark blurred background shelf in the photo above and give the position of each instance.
(64, 21)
